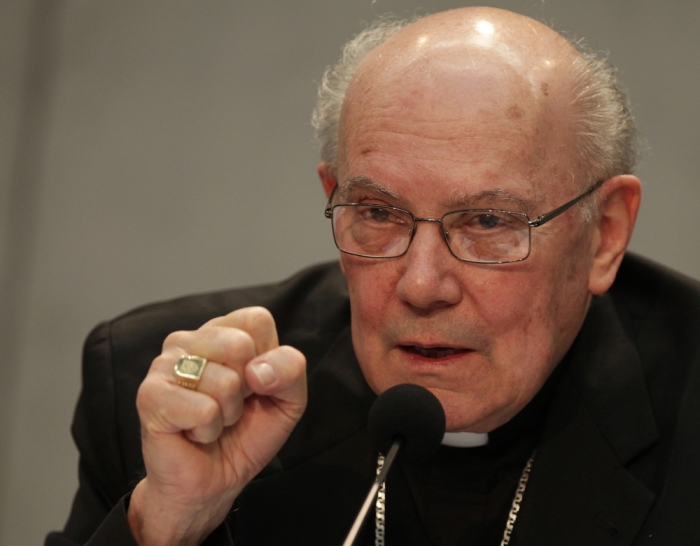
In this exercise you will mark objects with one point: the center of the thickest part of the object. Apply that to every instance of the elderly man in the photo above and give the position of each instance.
(478, 174)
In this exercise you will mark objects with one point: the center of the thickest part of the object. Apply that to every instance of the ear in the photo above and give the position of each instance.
(327, 174)
(329, 179)
(621, 197)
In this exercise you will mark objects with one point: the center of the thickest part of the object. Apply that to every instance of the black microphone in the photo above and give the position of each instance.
(406, 417)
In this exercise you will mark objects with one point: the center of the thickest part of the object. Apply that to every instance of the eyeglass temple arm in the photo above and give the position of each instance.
(328, 213)
(544, 218)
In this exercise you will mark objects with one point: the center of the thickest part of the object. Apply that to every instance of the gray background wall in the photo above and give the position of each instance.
(153, 149)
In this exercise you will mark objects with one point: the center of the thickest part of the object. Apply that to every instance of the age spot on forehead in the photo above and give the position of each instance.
(514, 112)
(366, 149)
(545, 88)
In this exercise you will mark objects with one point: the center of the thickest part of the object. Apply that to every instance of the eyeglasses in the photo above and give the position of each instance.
(484, 236)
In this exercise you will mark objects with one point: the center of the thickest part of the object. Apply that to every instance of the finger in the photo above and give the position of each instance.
(279, 373)
(224, 384)
(226, 387)
(168, 408)
(228, 346)
(256, 321)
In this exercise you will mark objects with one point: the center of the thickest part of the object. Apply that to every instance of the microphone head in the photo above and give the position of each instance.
(411, 412)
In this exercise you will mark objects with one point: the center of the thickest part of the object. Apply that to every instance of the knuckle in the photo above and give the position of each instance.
(294, 358)
(176, 339)
(203, 435)
(255, 318)
(153, 409)
(147, 394)
(163, 363)
(227, 385)
(239, 338)
(259, 314)
(237, 345)
(208, 412)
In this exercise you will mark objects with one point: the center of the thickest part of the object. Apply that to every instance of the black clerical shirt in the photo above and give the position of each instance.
(464, 494)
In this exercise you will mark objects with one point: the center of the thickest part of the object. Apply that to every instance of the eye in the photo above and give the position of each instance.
(377, 214)
(380, 215)
(488, 221)
(482, 221)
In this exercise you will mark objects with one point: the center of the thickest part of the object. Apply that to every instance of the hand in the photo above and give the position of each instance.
(201, 447)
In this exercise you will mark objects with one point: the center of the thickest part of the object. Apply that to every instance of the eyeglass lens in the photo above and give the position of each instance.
(380, 231)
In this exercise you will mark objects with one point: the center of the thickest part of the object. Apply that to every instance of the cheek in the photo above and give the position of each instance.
(507, 300)
(538, 318)
(530, 317)
(372, 289)
(371, 283)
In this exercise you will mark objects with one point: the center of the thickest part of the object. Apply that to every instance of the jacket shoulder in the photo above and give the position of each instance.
(645, 288)
(309, 309)
(660, 311)
(314, 295)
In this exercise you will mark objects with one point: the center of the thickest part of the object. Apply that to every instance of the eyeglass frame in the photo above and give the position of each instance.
(537, 222)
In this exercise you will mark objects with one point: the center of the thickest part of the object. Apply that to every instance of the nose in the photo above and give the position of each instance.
(428, 271)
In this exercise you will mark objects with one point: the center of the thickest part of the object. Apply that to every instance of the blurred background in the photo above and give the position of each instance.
(153, 149)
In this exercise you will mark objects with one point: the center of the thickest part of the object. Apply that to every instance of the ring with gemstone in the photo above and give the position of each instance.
(189, 370)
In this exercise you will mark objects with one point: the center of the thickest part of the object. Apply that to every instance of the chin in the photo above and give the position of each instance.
(464, 415)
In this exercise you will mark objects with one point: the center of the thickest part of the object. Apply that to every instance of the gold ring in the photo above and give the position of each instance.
(189, 370)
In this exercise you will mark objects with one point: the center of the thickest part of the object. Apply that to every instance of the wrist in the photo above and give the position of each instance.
(157, 520)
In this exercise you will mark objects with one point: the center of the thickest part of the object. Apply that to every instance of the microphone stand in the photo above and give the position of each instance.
(379, 480)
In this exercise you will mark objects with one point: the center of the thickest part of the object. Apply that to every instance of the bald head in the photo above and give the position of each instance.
(469, 77)
(558, 94)
(473, 39)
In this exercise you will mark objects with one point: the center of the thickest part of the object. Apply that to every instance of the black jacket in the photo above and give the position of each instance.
(617, 462)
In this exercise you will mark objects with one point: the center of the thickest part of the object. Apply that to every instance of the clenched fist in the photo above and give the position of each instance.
(201, 447)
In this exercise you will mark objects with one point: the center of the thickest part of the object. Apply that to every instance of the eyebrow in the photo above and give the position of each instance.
(366, 183)
(492, 198)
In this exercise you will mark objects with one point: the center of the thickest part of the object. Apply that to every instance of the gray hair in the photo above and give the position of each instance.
(608, 142)
(331, 93)
(607, 138)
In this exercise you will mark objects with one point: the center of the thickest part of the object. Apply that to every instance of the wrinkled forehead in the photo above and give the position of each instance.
(461, 91)
(451, 85)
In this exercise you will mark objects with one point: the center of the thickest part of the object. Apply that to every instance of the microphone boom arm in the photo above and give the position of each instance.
(379, 480)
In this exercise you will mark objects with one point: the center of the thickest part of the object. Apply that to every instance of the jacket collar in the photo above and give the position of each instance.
(607, 371)
(599, 420)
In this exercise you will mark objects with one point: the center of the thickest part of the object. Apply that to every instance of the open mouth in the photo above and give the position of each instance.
(432, 352)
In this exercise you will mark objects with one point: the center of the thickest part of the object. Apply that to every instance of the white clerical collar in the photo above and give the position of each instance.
(465, 439)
